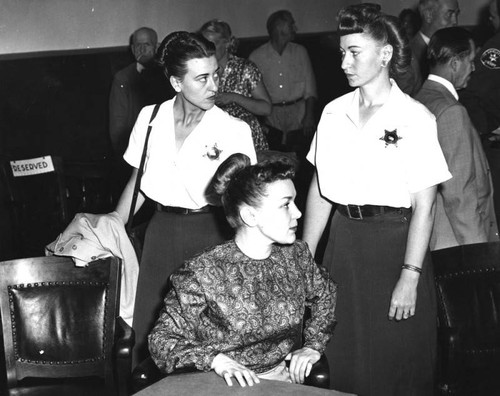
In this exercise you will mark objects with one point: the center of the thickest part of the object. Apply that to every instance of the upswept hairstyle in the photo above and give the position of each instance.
(222, 28)
(385, 29)
(178, 48)
(448, 43)
(236, 182)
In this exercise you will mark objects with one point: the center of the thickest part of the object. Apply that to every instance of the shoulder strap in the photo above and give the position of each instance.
(140, 170)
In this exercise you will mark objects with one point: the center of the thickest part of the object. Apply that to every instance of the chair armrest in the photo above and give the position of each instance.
(124, 342)
(320, 374)
(145, 373)
(124, 339)
(450, 367)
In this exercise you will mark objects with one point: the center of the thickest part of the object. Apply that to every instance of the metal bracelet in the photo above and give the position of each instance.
(411, 268)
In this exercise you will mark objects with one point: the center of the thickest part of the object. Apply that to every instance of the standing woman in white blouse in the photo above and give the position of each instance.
(190, 138)
(377, 157)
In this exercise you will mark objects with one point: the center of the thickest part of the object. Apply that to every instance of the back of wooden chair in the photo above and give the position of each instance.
(58, 320)
(468, 291)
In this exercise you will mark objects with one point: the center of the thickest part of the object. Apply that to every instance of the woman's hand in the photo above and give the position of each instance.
(226, 367)
(301, 362)
(404, 296)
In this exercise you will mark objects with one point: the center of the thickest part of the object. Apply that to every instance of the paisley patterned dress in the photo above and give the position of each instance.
(251, 310)
(241, 76)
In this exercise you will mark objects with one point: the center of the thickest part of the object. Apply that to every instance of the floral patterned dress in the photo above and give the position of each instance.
(242, 76)
(251, 310)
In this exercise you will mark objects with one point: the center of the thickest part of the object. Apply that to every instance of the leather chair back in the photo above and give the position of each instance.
(468, 290)
(58, 320)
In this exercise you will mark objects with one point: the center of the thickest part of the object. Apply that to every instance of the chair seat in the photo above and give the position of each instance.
(61, 387)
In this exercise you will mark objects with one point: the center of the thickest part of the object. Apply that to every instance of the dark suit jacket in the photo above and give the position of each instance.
(464, 207)
(130, 92)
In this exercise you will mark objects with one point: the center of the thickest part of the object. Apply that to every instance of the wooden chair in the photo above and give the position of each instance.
(61, 333)
(468, 291)
(38, 202)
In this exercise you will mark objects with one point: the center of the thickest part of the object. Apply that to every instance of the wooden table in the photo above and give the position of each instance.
(210, 384)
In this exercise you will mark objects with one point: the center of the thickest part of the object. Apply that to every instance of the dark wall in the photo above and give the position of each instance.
(58, 104)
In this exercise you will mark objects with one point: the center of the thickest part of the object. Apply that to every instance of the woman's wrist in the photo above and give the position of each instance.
(413, 268)
(410, 275)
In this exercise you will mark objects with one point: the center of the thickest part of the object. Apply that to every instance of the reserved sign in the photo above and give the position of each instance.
(33, 166)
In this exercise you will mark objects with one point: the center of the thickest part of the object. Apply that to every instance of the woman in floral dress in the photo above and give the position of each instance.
(242, 92)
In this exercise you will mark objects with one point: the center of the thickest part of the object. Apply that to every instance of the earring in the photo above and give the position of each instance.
(384, 63)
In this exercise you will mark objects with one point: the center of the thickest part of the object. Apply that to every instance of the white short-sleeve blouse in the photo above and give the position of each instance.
(180, 178)
(394, 154)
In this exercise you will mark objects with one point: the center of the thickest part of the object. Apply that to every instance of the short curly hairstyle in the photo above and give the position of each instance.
(222, 28)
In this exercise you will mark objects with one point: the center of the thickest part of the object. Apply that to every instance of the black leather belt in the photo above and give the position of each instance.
(182, 211)
(287, 103)
(357, 212)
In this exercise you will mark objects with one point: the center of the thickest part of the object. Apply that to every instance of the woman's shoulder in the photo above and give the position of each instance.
(340, 102)
(147, 111)
(297, 247)
(211, 256)
(225, 121)
(407, 108)
(415, 110)
(242, 65)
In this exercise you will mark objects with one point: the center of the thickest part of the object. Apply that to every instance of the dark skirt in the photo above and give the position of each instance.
(369, 354)
(170, 240)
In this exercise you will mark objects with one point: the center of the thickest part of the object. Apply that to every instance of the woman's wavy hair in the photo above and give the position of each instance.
(385, 29)
(222, 28)
(178, 48)
(236, 182)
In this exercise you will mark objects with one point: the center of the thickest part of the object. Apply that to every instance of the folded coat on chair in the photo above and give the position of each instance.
(91, 237)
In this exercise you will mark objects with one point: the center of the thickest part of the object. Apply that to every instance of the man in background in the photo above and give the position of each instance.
(464, 205)
(139, 84)
(434, 15)
(290, 81)
(482, 95)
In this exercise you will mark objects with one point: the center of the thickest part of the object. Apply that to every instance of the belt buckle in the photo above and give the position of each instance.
(352, 210)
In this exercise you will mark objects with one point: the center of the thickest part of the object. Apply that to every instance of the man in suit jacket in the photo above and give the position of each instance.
(464, 206)
(139, 84)
(435, 15)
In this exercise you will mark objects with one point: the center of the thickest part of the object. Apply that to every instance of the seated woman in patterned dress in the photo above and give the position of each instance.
(242, 92)
(238, 307)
